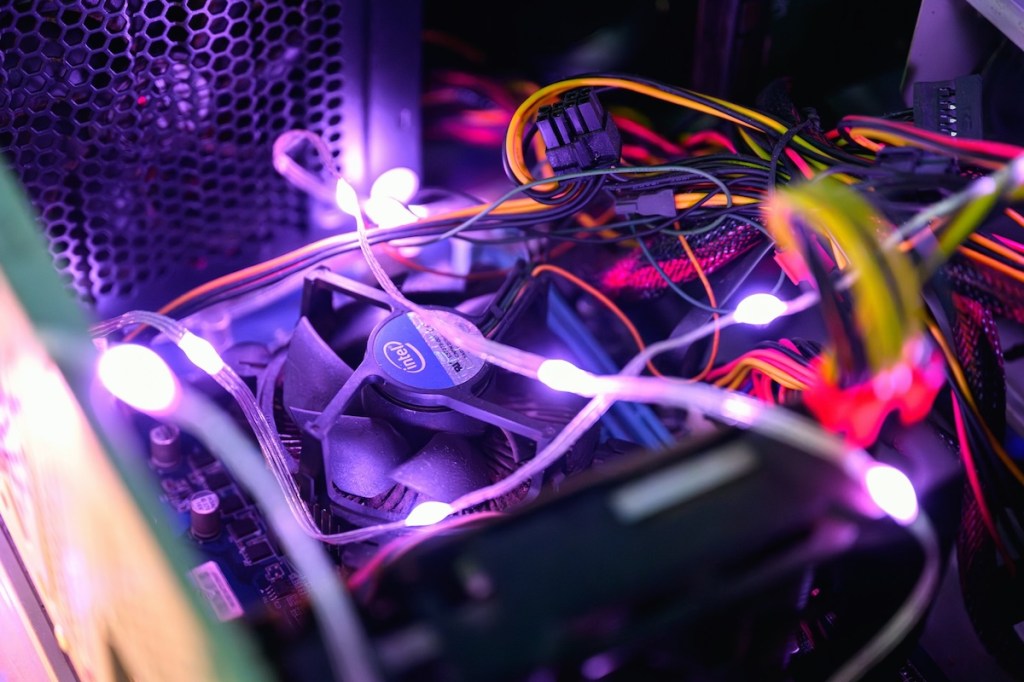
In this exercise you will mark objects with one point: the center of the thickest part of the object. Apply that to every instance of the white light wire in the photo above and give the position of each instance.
(515, 360)
(349, 652)
(907, 615)
(726, 405)
(776, 422)
(710, 400)
(273, 449)
(345, 641)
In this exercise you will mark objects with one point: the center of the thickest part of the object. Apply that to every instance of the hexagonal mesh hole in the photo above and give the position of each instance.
(142, 129)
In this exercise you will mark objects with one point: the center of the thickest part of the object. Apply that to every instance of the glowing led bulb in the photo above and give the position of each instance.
(740, 409)
(138, 377)
(201, 353)
(428, 513)
(346, 198)
(562, 375)
(389, 194)
(400, 184)
(388, 212)
(892, 491)
(759, 309)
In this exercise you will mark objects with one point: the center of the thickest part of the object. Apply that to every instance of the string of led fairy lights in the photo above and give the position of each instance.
(826, 197)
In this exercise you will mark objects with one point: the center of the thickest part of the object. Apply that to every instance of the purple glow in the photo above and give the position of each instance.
(597, 667)
(346, 198)
(400, 184)
(759, 309)
(428, 513)
(201, 353)
(562, 375)
(138, 377)
(388, 212)
(892, 491)
(742, 410)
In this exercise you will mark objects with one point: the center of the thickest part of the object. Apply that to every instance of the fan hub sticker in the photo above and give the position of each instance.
(410, 351)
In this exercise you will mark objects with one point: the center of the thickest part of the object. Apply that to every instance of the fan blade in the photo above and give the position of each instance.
(446, 468)
(313, 372)
(360, 453)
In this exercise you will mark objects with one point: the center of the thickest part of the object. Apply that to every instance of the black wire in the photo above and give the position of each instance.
(779, 149)
(850, 352)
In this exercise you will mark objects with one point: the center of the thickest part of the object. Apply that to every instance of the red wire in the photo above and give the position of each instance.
(1002, 149)
(638, 153)
(633, 128)
(764, 387)
(1015, 245)
(799, 162)
(710, 137)
(402, 544)
(787, 343)
(492, 89)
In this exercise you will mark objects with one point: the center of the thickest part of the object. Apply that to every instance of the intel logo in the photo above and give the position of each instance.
(404, 356)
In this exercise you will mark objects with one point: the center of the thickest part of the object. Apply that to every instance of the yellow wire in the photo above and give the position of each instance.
(517, 126)
(835, 211)
(517, 206)
(688, 199)
(735, 378)
(754, 147)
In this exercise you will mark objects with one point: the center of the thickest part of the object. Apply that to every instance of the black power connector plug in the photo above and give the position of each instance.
(578, 133)
(951, 107)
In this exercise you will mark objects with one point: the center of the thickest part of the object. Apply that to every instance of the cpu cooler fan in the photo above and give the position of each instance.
(380, 412)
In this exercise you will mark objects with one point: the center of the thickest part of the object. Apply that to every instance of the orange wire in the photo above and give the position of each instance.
(513, 206)
(1015, 216)
(711, 299)
(998, 266)
(561, 249)
(781, 375)
(588, 221)
(603, 300)
(865, 142)
(1003, 251)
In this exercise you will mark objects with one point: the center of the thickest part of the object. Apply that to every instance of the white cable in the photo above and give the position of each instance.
(507, 357)
(349, 651)
(908, 615)
(512, 359)
(1012, 173)
(346, 643)
(269, 440)
(295, 173)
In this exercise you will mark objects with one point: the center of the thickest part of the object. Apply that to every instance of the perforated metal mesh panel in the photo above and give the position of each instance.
(142, 130)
